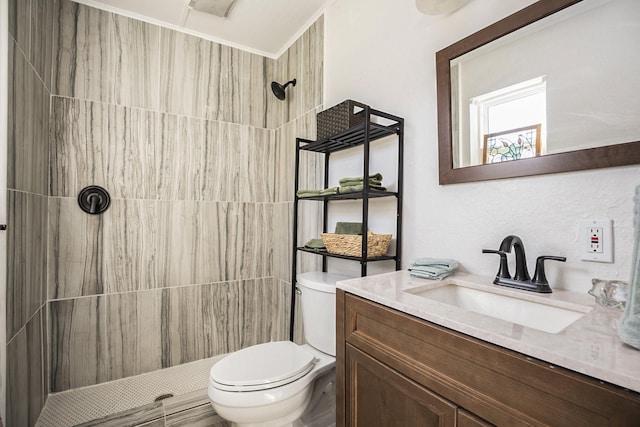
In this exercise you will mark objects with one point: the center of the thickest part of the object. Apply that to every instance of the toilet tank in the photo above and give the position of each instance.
(318, 306)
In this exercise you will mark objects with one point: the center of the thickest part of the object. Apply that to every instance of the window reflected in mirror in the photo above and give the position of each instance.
(495, 118)
(512, 144)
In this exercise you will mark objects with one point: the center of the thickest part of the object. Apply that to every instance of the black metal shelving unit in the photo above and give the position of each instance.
(360, 135)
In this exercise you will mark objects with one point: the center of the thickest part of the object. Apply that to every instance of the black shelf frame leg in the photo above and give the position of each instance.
(294, 253)
(400, 177)
(365, 194)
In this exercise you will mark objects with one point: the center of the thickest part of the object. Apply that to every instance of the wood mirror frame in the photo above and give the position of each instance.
(592, 158)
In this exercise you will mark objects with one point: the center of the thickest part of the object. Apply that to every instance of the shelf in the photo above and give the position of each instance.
(376, 125)
(373, 194)
(354, 258)
(350, 138)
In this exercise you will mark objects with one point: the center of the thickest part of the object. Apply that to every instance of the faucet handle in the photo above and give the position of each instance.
(503, 271)
(539, 278)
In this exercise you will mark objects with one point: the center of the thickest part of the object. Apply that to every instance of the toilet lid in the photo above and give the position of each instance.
(262, 366)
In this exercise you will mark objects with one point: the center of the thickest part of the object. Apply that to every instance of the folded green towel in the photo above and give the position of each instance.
(359, 187)
(316, 245)
(348, 228)
(315, 193)
(432, 268)
(377, 177)
(372, 182)
(328, 191)
(308, 193)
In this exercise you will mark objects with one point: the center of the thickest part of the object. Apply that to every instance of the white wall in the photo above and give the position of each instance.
(383, 53)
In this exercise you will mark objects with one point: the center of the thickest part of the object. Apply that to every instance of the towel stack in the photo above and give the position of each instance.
(347, 185)
(315, 193)
(352, 185)
(432, 268)
(354, 228)
(315, 245)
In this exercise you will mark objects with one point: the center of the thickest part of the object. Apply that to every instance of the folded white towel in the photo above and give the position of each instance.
(432, 268)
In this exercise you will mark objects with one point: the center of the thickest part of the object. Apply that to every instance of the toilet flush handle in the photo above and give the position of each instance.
(298, 291)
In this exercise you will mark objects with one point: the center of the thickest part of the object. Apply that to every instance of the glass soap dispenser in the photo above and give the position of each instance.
(629, 326)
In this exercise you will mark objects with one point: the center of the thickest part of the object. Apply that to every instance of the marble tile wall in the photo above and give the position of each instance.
(109, 58)
(30, 30)
(304, 62)
(28, 152)
(188, 139)
(27, 389)
(296, 118)
(130, 333)
(311, 176)
(27, 257)
(104, 57)
(145, 154)
(309, 215)
(141, 244)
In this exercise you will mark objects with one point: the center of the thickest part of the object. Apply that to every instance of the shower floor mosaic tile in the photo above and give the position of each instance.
(131, 401)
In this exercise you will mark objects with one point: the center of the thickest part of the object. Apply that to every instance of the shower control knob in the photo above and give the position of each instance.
(94, 200)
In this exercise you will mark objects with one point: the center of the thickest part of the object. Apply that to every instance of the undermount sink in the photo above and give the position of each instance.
(532, 311)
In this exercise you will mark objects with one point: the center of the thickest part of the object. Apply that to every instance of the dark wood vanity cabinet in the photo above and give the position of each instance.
(380, 396)
(397, 370)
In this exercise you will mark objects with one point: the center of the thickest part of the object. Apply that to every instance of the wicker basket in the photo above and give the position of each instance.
(338, 118)
(351, 245)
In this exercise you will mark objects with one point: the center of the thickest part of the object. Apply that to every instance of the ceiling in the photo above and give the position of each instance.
(265, 27)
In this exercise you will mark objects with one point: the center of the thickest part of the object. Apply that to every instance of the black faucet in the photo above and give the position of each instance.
(521, 280)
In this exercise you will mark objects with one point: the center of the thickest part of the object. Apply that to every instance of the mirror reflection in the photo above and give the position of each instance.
(567, 82)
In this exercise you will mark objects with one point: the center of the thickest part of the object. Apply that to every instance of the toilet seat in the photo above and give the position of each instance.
(262, 367)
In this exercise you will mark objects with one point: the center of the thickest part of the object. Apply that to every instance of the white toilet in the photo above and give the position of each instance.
(271, 385)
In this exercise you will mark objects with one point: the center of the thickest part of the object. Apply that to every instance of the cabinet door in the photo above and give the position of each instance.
(379, 396)
(466, 419)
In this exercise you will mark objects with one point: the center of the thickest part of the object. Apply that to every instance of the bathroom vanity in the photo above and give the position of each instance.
(404, 359)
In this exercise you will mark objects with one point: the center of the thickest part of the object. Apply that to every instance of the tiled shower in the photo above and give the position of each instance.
(192, 259)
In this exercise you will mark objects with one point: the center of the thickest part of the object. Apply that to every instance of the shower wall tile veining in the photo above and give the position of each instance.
(192, 259)
(175, 128)
(30, 46)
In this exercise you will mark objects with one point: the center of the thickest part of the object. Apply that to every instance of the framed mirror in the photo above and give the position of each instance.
(551, 88)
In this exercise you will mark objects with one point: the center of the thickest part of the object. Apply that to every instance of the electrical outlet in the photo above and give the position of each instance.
(596, 240)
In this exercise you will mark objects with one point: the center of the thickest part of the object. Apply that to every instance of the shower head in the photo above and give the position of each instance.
(278, 89)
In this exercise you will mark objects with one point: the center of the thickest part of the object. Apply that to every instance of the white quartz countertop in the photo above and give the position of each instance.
(589, 346)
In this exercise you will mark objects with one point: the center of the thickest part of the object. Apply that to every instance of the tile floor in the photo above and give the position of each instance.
(131, 402)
